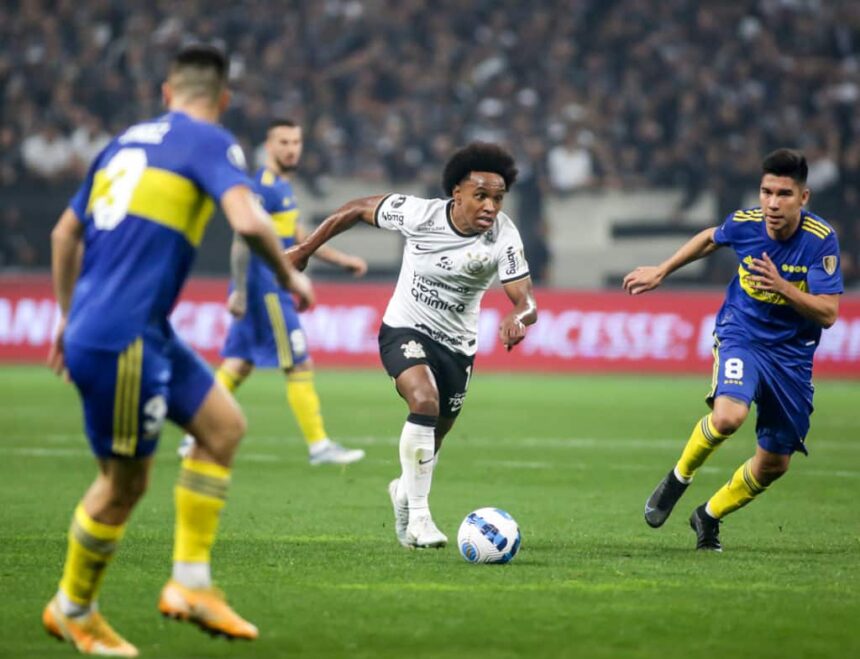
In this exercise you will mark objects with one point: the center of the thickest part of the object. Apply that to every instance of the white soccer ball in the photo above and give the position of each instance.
(488, 535)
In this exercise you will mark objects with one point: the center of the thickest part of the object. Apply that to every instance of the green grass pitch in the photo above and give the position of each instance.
(309, 554)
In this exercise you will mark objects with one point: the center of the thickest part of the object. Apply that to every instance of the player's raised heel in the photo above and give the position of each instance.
(707, 530)
(90, 633)
(663, 499)
(422, 533)
(205, 607)
(401, 513)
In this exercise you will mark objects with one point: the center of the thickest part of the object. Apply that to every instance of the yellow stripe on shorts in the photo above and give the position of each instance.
(127, 399)
(715, 376)
(279, 328)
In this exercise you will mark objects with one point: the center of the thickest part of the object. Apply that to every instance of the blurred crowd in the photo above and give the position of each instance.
(589, 94)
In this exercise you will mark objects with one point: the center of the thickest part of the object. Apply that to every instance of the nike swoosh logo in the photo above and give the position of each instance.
(649, 509)
(422, 248)
(424, 462)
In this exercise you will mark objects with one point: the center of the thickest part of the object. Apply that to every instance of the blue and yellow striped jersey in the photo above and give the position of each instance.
(145, 204)
(809, 260)
(278, 199)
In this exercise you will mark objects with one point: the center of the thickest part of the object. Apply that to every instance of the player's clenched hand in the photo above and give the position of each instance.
(642, 279)
(237, 304)
(296, 258)
(767, 277)
(56, 356)
(300, 285)
(511, 331)
(356, 265)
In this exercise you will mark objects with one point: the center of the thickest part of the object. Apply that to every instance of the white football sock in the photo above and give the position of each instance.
(416, 460)
(70, 608)
(193, 575)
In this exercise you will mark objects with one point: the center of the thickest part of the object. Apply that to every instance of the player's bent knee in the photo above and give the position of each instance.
(230, 431)
(125, 492)
(424, 401)
(768, 471)
(727, 422)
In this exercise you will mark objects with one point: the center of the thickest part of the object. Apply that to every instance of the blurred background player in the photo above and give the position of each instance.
(786, 290)
(454, 249)
(266, 330)
(137, 219)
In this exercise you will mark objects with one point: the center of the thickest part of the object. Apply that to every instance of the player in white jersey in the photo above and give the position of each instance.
(454, 249)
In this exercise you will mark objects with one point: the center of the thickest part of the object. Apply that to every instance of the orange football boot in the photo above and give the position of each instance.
(90, 633)
(205, 607)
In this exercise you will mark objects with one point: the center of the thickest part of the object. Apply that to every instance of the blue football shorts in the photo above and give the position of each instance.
(780, 386)
(127, 395)
(269, 334)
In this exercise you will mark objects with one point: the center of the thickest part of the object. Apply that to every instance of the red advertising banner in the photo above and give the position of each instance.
(577, 331)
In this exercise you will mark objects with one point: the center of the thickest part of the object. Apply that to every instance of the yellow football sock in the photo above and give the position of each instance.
(305, 403)
(91, 547)
(738, 492)
(200, 494)
(703, 441)
(230, 380)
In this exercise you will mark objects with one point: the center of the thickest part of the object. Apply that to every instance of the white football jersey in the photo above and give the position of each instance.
(445, 273)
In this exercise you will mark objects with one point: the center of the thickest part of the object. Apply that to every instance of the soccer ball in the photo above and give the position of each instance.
(488, 535)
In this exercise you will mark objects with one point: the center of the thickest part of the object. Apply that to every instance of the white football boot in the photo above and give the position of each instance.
(401, 513)
(422, 533)
(333, 453)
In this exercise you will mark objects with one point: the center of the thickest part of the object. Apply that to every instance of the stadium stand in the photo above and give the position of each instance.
(594, 97)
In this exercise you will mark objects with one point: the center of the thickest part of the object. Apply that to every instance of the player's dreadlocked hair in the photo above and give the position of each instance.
(199, 70)
(786, 162)
(478, 157)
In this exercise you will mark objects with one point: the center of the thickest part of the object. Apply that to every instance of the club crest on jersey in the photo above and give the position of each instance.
(829, 263)
(475, 262)
(413, 350)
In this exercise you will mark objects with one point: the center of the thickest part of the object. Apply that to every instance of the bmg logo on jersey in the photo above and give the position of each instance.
(513, 261)
(394, 218)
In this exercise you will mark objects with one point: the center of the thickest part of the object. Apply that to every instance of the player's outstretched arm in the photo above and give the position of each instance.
(251, 222)
(343, 218)
(66, 253)
(355, 264)
(648, 277)
(512, 329)
(240, 257)
(821, 309)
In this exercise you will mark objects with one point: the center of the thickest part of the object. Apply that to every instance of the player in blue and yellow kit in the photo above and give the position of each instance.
(120, 255)
(786, 290)
(266, 331)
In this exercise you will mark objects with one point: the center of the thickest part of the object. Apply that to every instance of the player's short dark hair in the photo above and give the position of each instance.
(786, 162)
(199, 70)
(478, 157)
(281, 123)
